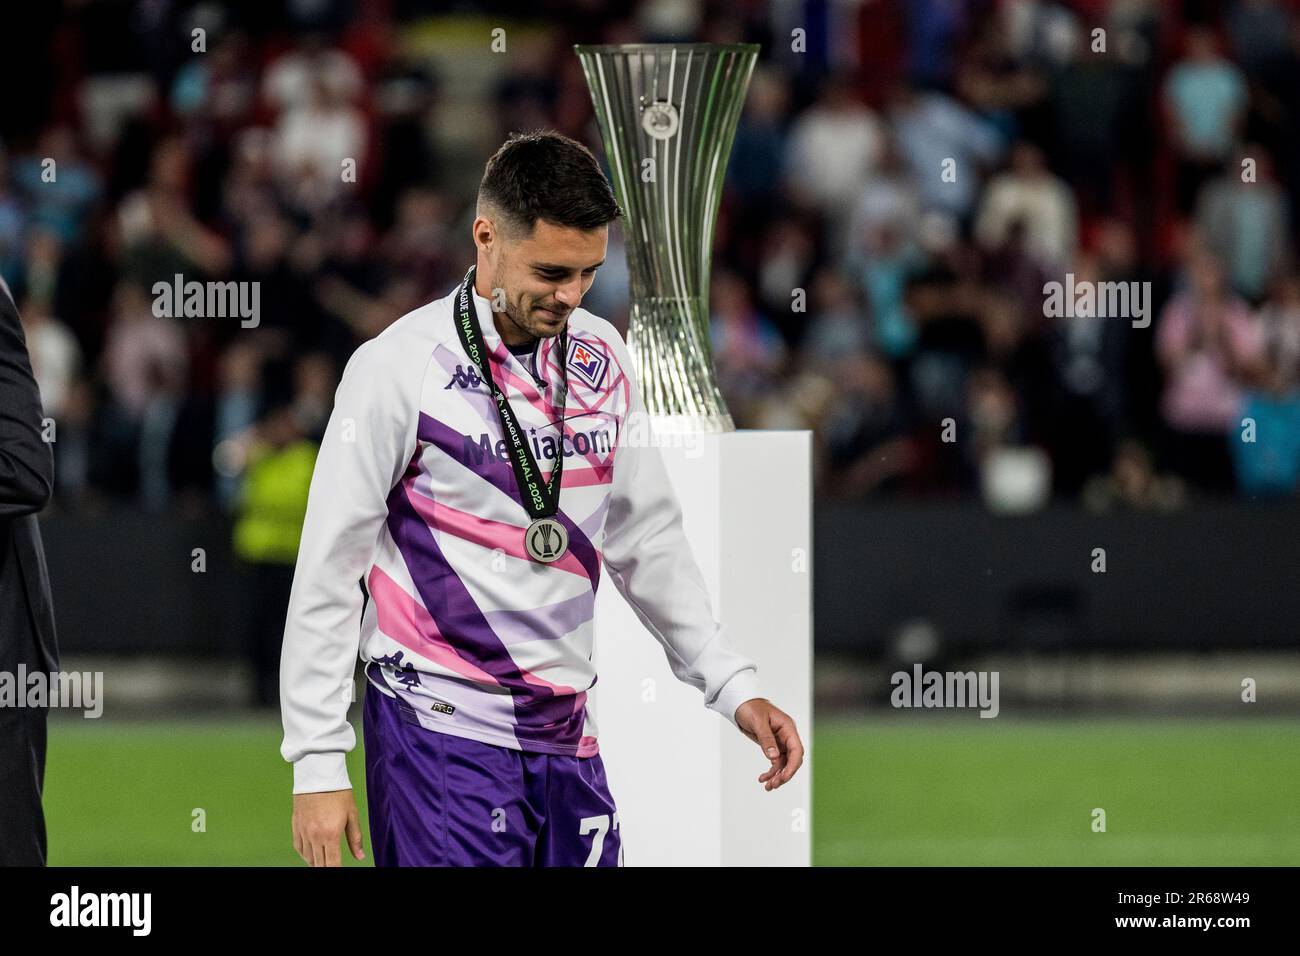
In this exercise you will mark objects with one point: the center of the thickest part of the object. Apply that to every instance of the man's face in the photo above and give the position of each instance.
(544, 275)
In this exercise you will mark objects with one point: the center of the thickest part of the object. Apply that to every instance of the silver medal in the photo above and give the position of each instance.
(546, 540)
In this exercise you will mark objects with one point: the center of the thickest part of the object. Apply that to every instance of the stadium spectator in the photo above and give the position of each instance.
(865, 433)
(788, 255)
(1244, 221)
(1258, 31)
(1132, 483)
(1087, 404)
(160, 235)
(1028, 193)
(747, 349)
(760, 144)
(217, 93)
(295, 79)
(837, 325)
(319, 147)
(832, 152)
(1206, 97)
(947, 148)
(1096, 133)
(239, 386)
(1210, 347)
(145, 367)
(229, 166)
(1280, 317)
(882, 269)
(55, 355)
(60, 187)
(887, 201)
(271, 507)
(1267, 456)
(1269, 464)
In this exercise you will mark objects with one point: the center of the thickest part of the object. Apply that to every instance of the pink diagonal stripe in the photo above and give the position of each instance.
(592, 476)
(406, 621)
(526, 387)
(409, 623)
(483, 531)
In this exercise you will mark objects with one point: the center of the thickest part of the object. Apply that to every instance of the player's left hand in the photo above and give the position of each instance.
(774, 730)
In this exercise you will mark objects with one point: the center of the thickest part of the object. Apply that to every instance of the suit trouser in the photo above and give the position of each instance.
(22, 767)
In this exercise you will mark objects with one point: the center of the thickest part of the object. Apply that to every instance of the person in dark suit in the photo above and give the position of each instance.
(26, 612)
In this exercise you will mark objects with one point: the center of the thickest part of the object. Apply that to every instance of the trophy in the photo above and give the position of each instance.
(668, 115)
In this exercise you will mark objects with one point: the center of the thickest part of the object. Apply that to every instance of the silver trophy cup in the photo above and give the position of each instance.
(668, 115)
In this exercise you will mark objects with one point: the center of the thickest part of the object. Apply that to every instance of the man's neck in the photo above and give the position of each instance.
(510, 333)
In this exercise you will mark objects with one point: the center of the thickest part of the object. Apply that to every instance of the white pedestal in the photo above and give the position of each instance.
(685, 780)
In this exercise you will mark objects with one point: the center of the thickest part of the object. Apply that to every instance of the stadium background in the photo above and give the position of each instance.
(1120, 690)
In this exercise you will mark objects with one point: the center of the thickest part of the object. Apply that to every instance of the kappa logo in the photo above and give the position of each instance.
(588, 362)
(463, 378)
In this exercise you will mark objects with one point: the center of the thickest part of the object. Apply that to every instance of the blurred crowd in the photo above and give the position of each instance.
(899, 194)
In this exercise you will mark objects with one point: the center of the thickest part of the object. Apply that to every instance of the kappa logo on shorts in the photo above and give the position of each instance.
(588, 362)
(439, 707)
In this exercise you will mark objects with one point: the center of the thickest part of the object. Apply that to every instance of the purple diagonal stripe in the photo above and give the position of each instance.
(537, 710)
(499, 473)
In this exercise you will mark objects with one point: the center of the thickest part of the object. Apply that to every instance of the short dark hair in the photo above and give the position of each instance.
(546, 175)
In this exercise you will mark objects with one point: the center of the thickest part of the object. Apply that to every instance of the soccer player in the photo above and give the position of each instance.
(471, 478)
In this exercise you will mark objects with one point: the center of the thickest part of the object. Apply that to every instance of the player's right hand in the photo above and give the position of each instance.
(320, 820)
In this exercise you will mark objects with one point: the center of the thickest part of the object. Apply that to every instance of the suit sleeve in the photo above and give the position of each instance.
(651, 564)
(368, 441)
(26, 460)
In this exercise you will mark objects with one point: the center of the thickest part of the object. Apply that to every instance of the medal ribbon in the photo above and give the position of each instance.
(539, 500)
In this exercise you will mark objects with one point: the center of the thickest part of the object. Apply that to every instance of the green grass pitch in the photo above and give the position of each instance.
(886, 790)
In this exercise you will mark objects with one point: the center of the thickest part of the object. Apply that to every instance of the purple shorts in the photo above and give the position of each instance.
(440, 800)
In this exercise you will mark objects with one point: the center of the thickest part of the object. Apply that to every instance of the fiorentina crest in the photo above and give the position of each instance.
(588, 362)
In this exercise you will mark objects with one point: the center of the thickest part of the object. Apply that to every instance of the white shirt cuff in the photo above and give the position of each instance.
(321, 772)
(742, 686)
